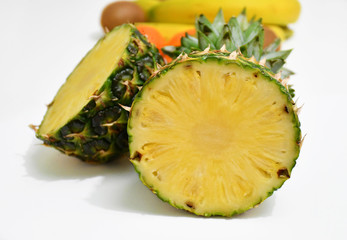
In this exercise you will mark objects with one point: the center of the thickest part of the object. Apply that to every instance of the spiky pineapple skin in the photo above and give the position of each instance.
(97, 134)
(222, 58)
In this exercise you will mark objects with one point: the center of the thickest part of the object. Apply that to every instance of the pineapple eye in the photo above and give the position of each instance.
(283, 173)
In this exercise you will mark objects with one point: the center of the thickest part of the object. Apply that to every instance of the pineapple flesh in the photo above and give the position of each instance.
(214, 134)
(87, 117)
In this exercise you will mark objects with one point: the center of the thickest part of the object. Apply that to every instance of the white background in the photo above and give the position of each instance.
(46, 195)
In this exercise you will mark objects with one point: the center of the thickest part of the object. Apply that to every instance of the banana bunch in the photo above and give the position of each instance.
(275, 14)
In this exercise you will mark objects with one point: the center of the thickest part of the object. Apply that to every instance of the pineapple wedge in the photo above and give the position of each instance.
(87, 118)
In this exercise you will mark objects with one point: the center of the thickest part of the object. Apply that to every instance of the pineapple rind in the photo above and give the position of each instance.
(247, 65)
(93, 142)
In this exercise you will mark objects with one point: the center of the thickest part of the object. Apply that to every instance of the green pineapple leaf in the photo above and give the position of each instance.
(204, 41)
(242, 19)
(276, 60)
(203, 24)
(252, 31)
(190, 41)
(219, 22)
(237, 34)
(225, 39)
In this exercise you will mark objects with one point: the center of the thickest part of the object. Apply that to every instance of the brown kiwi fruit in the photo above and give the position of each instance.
(118, 13)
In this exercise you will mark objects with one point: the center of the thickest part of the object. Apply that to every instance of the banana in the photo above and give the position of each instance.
(276, 12)
(147, 5)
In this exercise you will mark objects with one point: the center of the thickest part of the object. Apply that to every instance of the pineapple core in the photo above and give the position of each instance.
(211, 137)
(87, 78)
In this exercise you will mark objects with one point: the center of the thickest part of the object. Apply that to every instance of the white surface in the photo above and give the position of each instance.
(46, 195)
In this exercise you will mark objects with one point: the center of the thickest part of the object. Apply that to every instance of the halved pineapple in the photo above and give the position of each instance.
(213, 135)
(86, 118)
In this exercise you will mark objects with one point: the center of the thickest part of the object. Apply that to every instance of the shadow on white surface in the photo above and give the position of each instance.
(132, 197)
(120, 188)
(263, 210)
(48, 164)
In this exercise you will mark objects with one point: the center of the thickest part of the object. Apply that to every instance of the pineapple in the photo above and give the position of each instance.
(216, 132)
(88, 116)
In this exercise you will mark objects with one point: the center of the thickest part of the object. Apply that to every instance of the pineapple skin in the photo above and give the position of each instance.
(98, 133)
(248, 64)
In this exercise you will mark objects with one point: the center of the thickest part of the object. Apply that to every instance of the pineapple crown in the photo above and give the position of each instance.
(239, 34)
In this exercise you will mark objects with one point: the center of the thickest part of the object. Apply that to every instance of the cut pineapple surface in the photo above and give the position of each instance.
(86, 118)
(85, 80)
(213, 136)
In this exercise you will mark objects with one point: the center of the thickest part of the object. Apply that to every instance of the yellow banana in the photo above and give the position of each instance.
(278, 12)
(147, 5)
